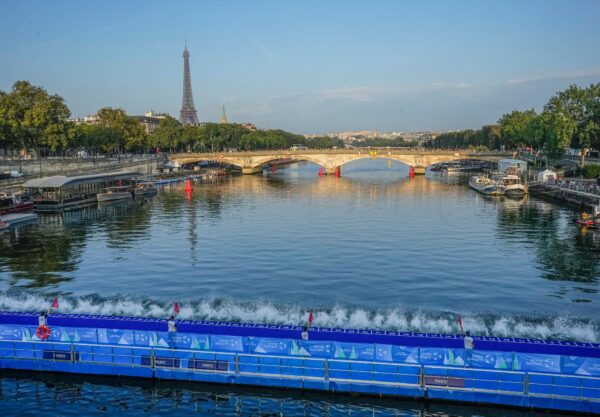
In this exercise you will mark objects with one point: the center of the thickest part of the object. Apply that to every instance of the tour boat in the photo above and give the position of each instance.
(12, 203)
(486, 185)
(145, 188)
(114, 193)
(60, 192)
(512, 184)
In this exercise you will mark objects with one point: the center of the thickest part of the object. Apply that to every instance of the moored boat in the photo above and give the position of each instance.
(59, 192)
(513, 186)
(114, 193)
(13, 203)
(486, 185)
(144, 188)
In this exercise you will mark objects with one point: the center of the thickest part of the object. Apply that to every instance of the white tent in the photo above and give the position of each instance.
(546, 175)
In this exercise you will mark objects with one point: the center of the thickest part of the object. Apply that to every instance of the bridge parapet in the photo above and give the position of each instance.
(331, 159)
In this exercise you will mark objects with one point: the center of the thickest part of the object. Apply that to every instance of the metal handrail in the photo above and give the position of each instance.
(234, 358)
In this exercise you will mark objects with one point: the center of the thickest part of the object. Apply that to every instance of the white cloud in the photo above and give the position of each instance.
(348, 93)
(446, 86)
(574, 74)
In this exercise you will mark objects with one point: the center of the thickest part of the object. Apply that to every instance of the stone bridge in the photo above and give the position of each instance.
(331, 159)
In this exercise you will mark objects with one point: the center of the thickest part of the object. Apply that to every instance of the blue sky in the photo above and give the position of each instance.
(306, 66)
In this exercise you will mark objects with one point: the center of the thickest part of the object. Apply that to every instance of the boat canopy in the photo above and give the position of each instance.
(60, 181)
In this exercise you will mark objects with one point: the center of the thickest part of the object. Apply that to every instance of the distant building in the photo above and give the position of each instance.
(249, 126)
(187, 115)
(224, 117)
(150, 113)
(149, 123)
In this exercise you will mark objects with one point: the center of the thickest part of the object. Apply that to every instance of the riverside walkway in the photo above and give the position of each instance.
(332, 159)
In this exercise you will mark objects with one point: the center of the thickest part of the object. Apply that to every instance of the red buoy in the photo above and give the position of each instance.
(411, 172)
(337, 171)
(273, 169)
(188, 185)
(321, 173)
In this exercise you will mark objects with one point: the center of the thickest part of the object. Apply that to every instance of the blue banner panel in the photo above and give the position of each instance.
(398, 354)
(10, 332)
(441, 356)
(317, 349)
(73, 334)
(226, 343)
(581, 366)
(269, 346)
(536, 362)
(489, 360)
(358, 351)
(115, 336)
(173, 340)
(207, 365)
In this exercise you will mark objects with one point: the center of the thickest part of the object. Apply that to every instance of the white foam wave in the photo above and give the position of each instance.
(558, 327)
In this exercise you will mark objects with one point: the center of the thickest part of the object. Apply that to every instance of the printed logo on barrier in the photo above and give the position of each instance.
(489, 359)
(60, 355)
(161, 362)
(208, 365)
(445, 381)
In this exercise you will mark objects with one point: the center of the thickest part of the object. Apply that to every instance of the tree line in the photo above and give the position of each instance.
(570, 119)
(33, 120)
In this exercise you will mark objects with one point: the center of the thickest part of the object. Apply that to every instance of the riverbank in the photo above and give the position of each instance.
(578, 195)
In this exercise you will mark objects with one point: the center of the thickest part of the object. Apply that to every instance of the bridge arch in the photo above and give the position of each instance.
(252, 162)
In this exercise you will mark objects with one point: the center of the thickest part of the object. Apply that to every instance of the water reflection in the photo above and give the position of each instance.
(564, 252)
(294, 238)
(26, 394)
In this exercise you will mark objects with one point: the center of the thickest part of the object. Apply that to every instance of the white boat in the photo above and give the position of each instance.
(486, 185)
(512, 184)
(114, 193)
(145, 188)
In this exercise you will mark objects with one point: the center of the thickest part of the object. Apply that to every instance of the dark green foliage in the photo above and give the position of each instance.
(590, 171)
(571, 118)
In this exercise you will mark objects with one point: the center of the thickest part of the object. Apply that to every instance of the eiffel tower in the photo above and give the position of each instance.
(187, 115)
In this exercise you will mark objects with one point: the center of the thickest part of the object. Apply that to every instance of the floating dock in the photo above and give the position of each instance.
(15, 219)
(502, 371)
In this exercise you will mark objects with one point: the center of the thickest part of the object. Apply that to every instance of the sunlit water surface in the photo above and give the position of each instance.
(372, 249)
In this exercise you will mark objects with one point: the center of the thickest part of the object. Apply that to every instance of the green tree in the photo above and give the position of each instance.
(515, 127)
(555, 131)
(33, 118)
(120, 132)
(581, 106)
(168, 135)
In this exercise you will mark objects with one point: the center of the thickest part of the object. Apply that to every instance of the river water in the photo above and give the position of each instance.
(371, 249)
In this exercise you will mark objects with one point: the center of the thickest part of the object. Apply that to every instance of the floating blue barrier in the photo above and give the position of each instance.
(540, 374)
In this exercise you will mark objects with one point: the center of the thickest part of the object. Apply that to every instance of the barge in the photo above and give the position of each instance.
(59, 192)
(541, 374)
